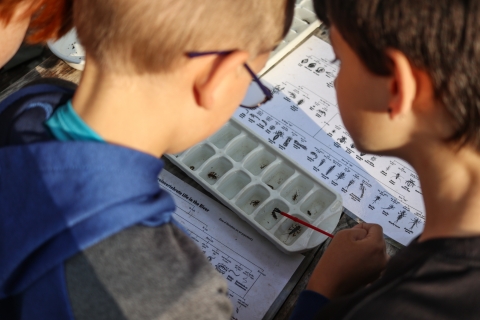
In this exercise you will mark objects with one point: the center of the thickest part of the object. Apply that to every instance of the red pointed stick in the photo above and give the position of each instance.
(306, 224)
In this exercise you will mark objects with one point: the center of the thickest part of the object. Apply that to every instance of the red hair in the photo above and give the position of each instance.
(50, 19)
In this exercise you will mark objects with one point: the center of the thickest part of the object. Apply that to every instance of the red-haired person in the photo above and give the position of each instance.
(37, 20)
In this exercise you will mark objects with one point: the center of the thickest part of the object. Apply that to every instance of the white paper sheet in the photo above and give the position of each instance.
(255, 269)
(303, 121)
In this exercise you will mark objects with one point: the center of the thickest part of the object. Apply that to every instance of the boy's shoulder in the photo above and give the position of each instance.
(435, 279)
(147, 273)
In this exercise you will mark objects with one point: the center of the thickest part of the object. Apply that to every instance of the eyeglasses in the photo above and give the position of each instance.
(257, 93)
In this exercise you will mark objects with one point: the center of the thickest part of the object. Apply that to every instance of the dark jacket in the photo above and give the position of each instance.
(436, 279)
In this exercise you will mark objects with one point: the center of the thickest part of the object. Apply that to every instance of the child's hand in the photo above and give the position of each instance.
(355, 258)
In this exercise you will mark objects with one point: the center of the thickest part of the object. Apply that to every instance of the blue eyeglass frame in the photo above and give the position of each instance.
(265, 90)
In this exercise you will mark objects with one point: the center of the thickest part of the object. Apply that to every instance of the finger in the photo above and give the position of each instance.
(357, 234)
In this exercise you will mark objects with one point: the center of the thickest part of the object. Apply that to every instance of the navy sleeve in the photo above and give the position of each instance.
(308, 305)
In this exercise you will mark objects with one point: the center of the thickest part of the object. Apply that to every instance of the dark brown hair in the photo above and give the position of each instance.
(441, 37)
(50, 19)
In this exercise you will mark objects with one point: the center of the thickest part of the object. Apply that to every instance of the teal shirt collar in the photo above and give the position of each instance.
(66, 125)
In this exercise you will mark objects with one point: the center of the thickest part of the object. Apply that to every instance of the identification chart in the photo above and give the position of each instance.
(256, 271)
(303, 121)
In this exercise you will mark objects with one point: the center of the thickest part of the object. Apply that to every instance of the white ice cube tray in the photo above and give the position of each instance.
(252, 178)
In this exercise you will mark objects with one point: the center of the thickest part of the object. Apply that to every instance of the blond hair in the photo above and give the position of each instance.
(151, 36)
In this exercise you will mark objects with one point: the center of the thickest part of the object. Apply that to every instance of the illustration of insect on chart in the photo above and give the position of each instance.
(303, 121)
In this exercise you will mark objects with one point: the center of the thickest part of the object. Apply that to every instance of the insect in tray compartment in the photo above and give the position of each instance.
(263, 166)
(212, 175)
(293, 231)
(192, 168)
(254, 203)
(271, 187)
(274, 213)
(295, 196)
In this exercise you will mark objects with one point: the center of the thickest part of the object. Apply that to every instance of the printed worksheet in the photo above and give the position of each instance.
(256, 271)
(304, 122)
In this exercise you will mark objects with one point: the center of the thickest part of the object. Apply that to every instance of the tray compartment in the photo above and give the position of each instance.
(241, 148)
(259, 162)
(290, 231)
(226, 134)
(252, 199)
(234, 183)
(297, 189)
(317, 203)
(198, 156)
(276, 176)
(215, 169)
(267, 218)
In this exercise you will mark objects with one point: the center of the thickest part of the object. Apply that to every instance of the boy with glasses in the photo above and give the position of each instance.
(85, 232)
(409, 87)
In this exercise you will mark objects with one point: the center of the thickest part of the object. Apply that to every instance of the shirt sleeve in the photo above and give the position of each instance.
(308, 305)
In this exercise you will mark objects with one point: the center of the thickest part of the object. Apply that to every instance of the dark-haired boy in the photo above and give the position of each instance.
(85, 231)
(409, 86)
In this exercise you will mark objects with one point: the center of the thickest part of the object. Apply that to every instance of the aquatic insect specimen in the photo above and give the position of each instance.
(314, 155)
(270, 186)
(263, 166)
(312, 65)
(278, 134)
(292, 95)
(300, 102)
(304, 60)
(377, 198)
(254, 203)
(212, 175)
(362, 154)
(322, 113)
(309, 213)
(415, 222)
(410, 183)
(402, 214)
(343, 139)
(277, 89)
(388, 168)
(329, 170)
(295, 196)
(389, 207)
(352, 146)
(192, 168)
(321, 162)
(350, 183)
(341, 176)
(293, 231)
(320, 70)
(274, 213)
(362, 190)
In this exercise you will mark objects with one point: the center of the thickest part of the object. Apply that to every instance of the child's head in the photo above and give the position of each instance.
(44, 20)
(399, 55)
(139, 50)
(147, 36)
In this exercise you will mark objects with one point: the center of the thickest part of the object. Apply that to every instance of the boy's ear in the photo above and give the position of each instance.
(403, 84)
(221, 73)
